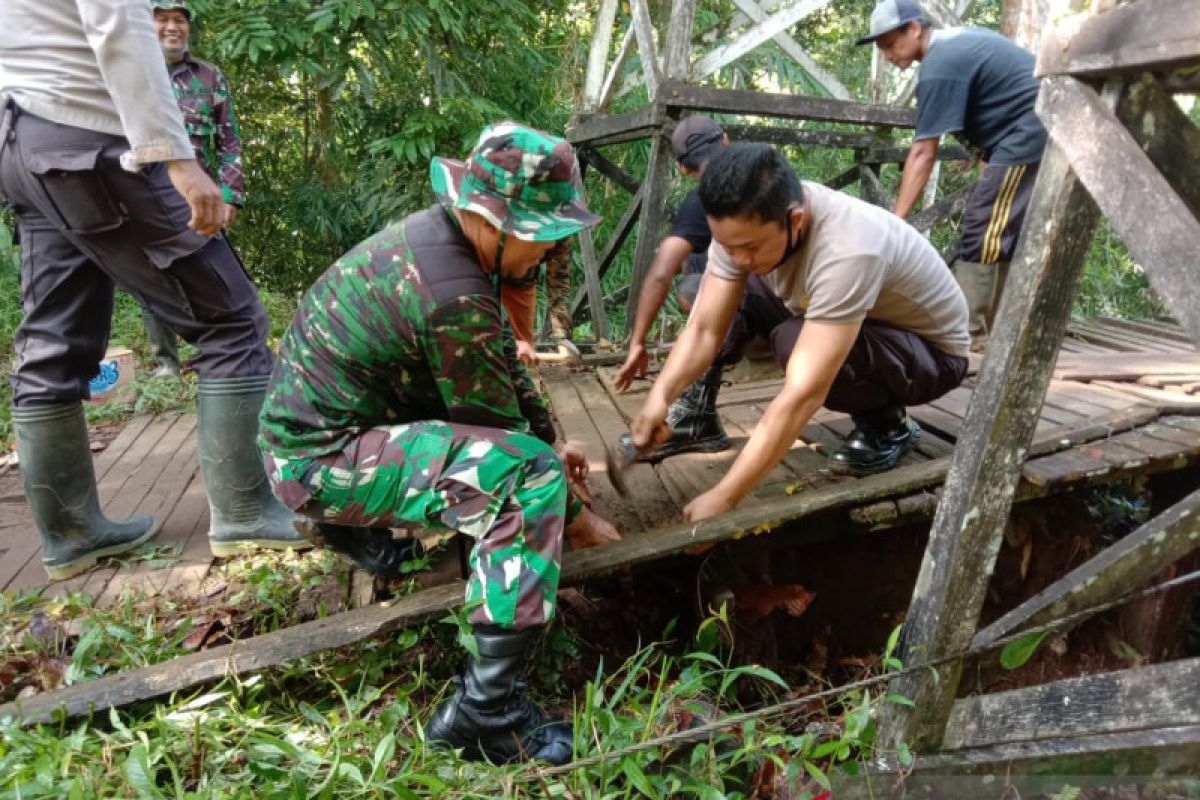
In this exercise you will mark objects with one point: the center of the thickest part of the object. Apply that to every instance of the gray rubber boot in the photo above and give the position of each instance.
(489, 715)
(163, 346)
(60, 486)
(243, 512)
(979, 284)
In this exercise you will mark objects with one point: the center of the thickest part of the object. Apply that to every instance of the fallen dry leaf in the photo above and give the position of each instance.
(755, 601)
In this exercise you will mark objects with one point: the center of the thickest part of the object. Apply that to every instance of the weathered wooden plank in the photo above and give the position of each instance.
(1168, 137)
(359, 624)
(1123, 368)
(1033, 769)
(611, 248)
(1144, 36)
(679, 39)
(1157, 227)
(610, 80)
(615, 128)
(871, 189)
(591, 284)
(596, 160)
(1122, 567)
(968, 526)
(643, 31)
(1160, 330)
(787, 106)
(650, 222)
(1158, 396)
(1158, 696)
(764, 29)
(643, 508)
(948, 206)
(593, 82)
(237, 658)
(898, 155)
(117, 447)
(757, 12)
(1124, 340)
(803, 137)
(843, 179)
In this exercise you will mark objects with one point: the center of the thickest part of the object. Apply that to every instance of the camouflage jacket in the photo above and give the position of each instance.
(203, 97)
(403, 328)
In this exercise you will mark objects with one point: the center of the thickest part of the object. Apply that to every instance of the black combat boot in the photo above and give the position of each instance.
(695, 424)
(489, 716)
(372, 549)
(876, 443)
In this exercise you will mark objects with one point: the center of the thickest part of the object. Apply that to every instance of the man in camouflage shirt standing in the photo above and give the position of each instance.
(398, 400)
(203, 96)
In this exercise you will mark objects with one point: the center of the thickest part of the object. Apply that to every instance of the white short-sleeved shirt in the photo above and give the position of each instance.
(860, 262)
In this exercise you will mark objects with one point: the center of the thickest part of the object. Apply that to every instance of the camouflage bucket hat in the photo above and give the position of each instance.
(523, 181)
(172, 5)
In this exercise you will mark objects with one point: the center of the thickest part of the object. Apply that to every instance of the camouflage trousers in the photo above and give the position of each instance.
(506, 490)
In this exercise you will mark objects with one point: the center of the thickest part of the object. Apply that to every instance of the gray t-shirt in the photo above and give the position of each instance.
(980, 86)
(862, 262)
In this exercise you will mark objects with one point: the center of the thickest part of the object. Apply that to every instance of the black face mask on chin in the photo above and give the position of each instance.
(792, 246)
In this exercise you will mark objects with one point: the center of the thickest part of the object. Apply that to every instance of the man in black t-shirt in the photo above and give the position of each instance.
(980, 86)
(693, 417)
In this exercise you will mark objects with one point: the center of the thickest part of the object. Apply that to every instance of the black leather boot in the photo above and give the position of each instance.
(876, 443)
(372, 549)
(489, 716)
(695, 423)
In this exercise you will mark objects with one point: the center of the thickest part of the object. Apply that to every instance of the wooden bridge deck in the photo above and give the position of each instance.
(1148, 372)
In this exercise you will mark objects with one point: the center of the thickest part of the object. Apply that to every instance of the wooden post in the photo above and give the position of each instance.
(643, 30)
(591, 282)
(968, 527)
(593, 83)
(661, 164)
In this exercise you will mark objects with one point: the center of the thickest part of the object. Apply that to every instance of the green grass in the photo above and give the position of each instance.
(348, 723)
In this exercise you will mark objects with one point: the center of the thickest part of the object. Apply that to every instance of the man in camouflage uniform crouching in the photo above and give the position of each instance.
(398, 400)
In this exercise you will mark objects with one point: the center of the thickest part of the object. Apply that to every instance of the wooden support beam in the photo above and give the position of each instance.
(871, 189)
(1143, 36)
(611, 248)
(807, 137)
(787, 106)
(968, 528)
(898, 155)
(643, 31)
(679, 39)
(1157, 227)
(1031, 769)
(609, 170)
(593, 82)
(843, 179)
(1122, 567)
(610, 81)
(945, 208)
(1158, 696)
(1165, 135)
(757, 12)
(658, 177)
(626, 127)
(766, 28)
(591, 284)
